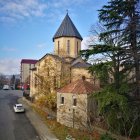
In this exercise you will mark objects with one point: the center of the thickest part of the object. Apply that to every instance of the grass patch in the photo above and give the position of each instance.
(62, 131)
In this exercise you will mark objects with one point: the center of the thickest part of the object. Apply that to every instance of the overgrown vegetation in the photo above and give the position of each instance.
(106, 137)
(48, 101)
(118, 67)
(49, 78)
(62, 131)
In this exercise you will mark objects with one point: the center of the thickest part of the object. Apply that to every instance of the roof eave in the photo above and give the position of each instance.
(67, 36)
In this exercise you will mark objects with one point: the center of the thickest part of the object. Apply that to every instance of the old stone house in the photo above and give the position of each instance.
(75, 107)
(65, 65)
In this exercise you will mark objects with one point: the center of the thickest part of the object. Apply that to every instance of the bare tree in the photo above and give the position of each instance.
(51, 76)
(3, 80)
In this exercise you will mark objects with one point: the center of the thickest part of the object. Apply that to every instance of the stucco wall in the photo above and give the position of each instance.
(25, 71)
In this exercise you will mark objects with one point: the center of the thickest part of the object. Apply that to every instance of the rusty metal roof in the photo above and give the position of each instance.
(79, 87)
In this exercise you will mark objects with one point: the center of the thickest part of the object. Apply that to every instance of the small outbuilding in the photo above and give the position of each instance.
(75, 106)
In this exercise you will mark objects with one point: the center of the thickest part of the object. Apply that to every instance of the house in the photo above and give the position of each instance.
(75, 107)
(65, 65)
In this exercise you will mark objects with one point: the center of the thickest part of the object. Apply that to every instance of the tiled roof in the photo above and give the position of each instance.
(81, 65)
(67, 29)
(29, 61)
(79, 87)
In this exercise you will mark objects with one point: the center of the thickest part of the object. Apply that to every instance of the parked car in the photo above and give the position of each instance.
(12, 87)
(6, 87)
(18, 108)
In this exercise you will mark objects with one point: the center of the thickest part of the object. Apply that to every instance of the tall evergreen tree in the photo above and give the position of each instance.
(122, 19)
(121, 41)
(110, 68)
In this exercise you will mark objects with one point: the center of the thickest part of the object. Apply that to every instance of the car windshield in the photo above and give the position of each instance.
(19, 107)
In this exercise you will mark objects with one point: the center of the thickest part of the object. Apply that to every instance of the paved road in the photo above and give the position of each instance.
(14, 126)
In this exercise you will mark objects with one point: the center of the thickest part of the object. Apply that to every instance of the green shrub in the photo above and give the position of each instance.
(106, 137)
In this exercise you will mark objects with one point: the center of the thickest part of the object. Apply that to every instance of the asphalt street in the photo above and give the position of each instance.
(14, 126)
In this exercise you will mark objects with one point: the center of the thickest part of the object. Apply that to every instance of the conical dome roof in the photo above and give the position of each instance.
(67, 29)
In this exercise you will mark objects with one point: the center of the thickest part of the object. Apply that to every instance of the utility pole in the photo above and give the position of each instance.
(73, 117)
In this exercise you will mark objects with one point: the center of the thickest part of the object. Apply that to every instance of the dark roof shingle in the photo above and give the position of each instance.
(67, 29)
(81, 65)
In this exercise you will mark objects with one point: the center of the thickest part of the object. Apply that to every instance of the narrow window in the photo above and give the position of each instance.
(35, 82)
(54, 82)
(77, 48)
(48, 73)
(58, 47)
(74, 102)
(68, 46)
(41, 81)
(62, 100)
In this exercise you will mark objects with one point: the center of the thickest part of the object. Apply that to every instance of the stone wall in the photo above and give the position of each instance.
(75, 46)
(69, 115)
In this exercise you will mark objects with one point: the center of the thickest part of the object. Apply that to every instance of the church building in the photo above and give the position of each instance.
(64, 65)
(67, 39)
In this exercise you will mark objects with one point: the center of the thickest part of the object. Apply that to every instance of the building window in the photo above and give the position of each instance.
(40, 82)
(48, 71)
(54, 82)
(61, 100)
(35, 82)
(68, 46)
(74, 102)
(58, 47)
(77, 48)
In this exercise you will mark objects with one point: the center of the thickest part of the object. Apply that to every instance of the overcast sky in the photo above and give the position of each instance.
(28, 26)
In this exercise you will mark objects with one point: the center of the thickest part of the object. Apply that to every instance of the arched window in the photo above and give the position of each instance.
(54, 82)
(77, 48)
(68, 46)
(61, 99)
(74, 101)
(58, 49)
(48, 71)
(35, 82)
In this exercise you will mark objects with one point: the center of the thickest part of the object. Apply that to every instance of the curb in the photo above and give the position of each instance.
(35, 119)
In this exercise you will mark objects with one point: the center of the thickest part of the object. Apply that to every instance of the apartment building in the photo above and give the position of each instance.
(26, 66)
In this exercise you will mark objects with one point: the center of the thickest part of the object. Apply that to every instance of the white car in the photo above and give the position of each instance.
(19, 108)
(6, 87)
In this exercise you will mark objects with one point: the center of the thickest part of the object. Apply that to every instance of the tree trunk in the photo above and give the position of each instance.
(133, 39)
